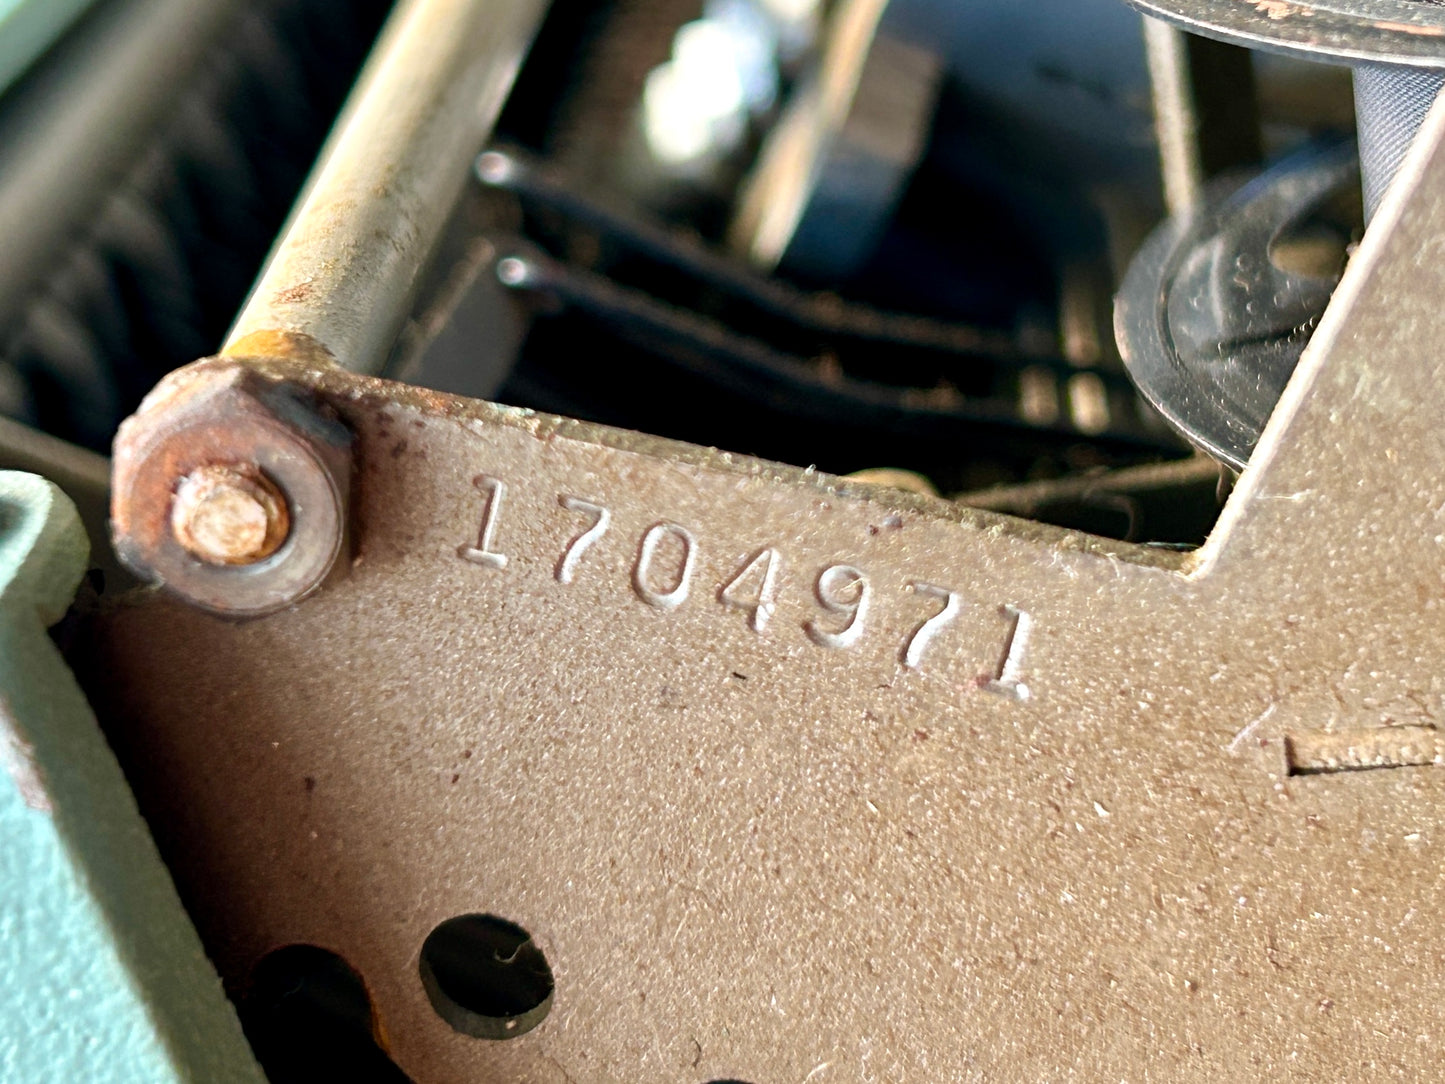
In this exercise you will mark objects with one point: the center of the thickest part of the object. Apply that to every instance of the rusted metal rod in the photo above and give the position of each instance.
(231, 486)
(344, 272)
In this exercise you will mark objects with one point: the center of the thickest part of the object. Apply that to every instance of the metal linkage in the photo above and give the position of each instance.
(512, 170)
(733, 360)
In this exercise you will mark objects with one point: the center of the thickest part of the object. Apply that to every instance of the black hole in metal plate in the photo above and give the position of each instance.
(309, 1017)
(486, 977)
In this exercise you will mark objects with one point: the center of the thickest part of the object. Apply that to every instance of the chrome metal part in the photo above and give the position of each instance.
(1405, 32)
(834, 167)
(791, 780)
(343, 274)
(1211, 319)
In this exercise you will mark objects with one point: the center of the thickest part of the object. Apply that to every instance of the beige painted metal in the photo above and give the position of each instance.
(1057, 838)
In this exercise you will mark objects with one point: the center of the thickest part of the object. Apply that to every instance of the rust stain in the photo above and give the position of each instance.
(233, 413)
(1411, 28)
(17, 757)
(298, 294)
(1280, 9)
(280, 346)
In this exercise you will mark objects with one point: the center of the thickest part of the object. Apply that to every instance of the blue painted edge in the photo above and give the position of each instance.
(28, 28)
(102, 976)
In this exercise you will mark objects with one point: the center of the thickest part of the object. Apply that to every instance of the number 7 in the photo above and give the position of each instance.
(602, 519)
(919, 642)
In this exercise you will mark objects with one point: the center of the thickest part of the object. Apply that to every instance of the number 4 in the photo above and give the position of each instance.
(760, 572)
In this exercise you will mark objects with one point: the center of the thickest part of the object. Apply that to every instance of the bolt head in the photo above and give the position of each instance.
(230, 486)
(229, 515)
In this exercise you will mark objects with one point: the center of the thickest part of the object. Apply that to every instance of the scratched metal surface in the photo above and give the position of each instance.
(1388, 31)
(750, 855)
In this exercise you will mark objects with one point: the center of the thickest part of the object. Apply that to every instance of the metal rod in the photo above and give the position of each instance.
(1205, 112)
(344, 272)
(1175, 122)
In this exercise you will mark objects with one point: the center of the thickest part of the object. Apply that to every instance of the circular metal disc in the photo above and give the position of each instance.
(1212, 318)
(1384, 31)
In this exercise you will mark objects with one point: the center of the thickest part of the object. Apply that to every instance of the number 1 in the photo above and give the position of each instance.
(482, 553)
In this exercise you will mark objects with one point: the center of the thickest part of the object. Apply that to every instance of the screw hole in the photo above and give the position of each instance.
(309, 1017)
(486, 977)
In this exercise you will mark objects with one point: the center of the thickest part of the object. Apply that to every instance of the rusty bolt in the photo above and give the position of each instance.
(232, 515)
(231, 487)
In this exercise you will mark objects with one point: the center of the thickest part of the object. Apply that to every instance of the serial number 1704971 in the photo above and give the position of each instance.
(843, 592)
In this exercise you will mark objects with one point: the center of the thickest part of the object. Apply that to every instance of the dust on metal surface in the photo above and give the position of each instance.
(794, 781)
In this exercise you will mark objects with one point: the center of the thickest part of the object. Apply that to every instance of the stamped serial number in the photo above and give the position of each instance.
(665, 568)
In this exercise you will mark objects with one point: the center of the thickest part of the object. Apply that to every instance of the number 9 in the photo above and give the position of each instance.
(842, 590)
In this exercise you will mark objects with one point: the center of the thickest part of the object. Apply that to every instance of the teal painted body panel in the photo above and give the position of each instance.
(28, 28)
(102, 977)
